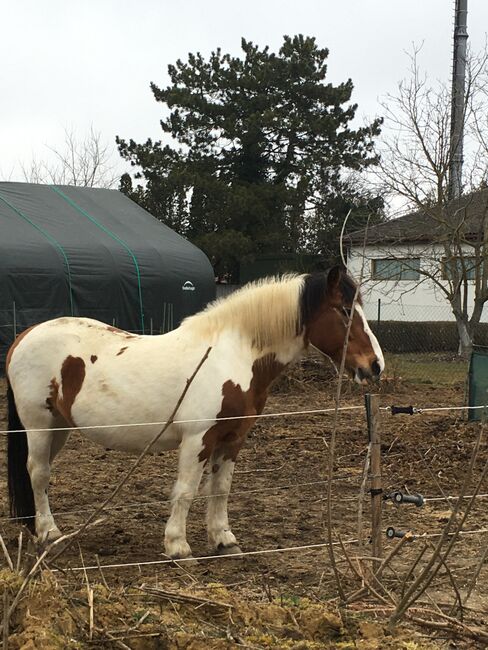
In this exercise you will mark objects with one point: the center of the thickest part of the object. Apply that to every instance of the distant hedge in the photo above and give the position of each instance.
(423, 336)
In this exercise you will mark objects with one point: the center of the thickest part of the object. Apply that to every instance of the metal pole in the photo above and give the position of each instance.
(379, 312)
(458, 108)
(151, 326)
(373, 415)
(14, 320)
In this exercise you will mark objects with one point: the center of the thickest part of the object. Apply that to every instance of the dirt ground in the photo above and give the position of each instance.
(278, 496)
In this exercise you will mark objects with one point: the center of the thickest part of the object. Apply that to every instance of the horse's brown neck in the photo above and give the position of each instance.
(264, 371)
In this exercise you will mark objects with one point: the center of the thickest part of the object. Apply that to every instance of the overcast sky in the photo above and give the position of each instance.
(69, 64)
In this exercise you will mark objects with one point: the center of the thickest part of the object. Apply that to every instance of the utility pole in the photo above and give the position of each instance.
(457, 99)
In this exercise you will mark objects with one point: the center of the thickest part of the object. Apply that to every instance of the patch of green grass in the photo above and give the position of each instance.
(427, 368)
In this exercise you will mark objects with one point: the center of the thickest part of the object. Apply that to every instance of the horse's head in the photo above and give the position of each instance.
(327, 301)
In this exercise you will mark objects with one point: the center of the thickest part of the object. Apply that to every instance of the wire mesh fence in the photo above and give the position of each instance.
(421, 342)
(380, 310)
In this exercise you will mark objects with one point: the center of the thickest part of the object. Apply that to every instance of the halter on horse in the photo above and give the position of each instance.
(78, 372)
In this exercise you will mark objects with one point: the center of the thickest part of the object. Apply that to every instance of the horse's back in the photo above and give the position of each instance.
(72, 354)
(45, 344)
(95, 374)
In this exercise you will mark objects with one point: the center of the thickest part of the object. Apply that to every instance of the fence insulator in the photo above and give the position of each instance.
(393, 533)
(407, 410)
(399, 498)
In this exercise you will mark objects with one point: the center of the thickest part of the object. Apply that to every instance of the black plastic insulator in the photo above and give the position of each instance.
(408, 410)
(399, 497)
(392, 533)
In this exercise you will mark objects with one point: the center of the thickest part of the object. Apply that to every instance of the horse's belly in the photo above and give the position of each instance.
(140, 397)
(133, 438)
(106, 402)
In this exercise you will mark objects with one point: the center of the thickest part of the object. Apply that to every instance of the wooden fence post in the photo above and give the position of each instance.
(373, 416)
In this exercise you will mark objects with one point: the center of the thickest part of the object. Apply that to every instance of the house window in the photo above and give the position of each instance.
(407, 268)
(464, 266)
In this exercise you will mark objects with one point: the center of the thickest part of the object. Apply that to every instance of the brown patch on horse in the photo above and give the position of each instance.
(121, 351)
(93, 358)
(264, 371)
(127, 335)
(226, 438)
(111, 328)
(72, 377)
(51, 401)
(14, 345)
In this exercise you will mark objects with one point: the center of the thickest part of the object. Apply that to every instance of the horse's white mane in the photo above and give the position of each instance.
(266, 312)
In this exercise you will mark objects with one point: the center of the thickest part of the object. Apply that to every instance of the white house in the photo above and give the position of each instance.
(405, 263)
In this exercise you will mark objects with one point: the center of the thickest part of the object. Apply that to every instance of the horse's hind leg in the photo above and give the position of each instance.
(39, 468)
(42, 448)
(60, 438)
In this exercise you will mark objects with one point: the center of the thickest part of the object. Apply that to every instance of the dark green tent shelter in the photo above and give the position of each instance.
(93, 252)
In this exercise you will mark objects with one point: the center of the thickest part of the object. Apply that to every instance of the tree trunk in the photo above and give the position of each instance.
(465, 338)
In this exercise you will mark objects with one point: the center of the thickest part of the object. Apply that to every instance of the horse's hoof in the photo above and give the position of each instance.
(49, 536)
(230, 549)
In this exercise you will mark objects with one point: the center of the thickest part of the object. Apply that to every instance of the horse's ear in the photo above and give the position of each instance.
(334, 277)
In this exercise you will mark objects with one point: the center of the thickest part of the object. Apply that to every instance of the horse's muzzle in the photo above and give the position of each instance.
(363, 375)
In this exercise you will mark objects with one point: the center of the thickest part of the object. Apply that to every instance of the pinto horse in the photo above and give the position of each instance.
(78, 372)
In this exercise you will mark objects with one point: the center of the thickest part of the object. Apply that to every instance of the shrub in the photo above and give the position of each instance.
(423, 336)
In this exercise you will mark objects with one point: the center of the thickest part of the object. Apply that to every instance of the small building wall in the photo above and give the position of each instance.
(408, 300)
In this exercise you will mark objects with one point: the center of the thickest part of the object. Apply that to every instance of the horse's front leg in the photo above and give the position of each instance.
(190, 470)
(220, 537)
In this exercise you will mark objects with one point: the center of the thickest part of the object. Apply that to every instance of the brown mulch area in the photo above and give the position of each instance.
(270, 508)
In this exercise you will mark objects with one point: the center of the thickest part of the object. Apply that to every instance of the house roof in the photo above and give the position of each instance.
(469, 213)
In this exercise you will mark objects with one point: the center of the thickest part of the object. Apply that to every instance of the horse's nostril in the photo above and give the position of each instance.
(363, 374)
(376, 368)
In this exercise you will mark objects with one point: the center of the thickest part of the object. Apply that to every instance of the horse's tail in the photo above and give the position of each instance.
(19, 484)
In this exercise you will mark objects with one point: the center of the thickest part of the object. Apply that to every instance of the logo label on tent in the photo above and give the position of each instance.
(188, 286)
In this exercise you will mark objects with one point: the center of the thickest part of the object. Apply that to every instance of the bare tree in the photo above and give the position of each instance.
(450, 237)
(83, 162)
(6, 175)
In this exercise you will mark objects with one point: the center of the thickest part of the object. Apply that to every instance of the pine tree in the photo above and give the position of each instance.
(261, 143)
